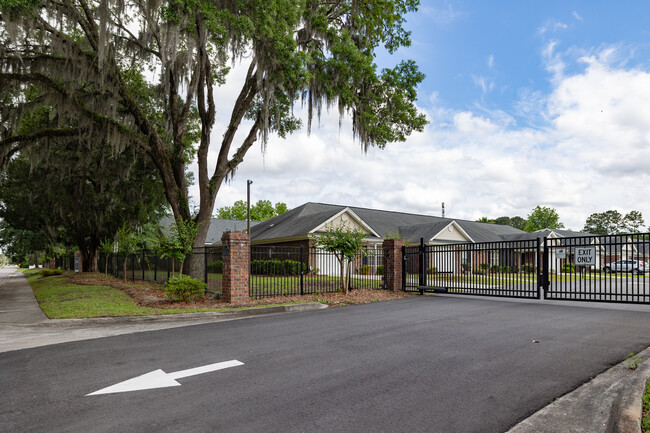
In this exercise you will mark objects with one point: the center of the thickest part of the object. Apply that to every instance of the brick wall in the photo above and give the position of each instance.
(236, 266)
(393, 264)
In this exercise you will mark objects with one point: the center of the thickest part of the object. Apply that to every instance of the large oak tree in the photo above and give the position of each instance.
(143, 73)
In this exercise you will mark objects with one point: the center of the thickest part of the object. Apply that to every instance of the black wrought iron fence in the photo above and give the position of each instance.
(65, 262)
(274, 270)
(149, 266)
(277, 271)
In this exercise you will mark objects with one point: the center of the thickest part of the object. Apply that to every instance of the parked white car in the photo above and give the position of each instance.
(634, 266)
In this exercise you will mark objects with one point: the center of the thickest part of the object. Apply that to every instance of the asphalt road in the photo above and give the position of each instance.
(429, 364)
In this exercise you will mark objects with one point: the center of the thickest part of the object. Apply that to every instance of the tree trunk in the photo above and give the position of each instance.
(344, 280)
(94, 265)
(196, 262)
(36, 260)
(106, 265)
(126, 257)
(89, 260)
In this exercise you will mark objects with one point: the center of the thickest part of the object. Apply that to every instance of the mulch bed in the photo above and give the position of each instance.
(151, 295)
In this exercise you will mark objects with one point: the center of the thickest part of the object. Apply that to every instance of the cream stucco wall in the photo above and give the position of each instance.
(453, 235)
(346, 219)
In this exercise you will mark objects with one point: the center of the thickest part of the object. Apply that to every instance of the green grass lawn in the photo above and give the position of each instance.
(496, 279)
(441, 279)
(60, 299)
(264, 285)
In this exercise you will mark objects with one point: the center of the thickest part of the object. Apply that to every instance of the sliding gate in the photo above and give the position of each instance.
(612, 268)
(506, 269)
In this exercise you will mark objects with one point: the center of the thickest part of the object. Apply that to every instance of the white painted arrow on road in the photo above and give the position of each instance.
(160, 379)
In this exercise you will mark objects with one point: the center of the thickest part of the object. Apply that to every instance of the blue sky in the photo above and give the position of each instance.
(482, 53)
(530, 103)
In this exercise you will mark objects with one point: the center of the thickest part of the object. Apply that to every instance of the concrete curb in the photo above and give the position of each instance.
(627, 408)
(189, 317)
(610, 403)
(18, 336)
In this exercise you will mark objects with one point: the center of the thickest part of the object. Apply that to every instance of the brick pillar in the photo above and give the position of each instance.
(236, 266)
(393, 264)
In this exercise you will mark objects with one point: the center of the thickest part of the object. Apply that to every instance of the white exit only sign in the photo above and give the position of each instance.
(585, 256)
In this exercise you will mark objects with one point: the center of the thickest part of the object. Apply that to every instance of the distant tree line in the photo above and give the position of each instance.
(600, 223)
(260, 211)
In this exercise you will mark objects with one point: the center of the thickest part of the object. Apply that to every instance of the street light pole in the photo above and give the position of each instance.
(248, 206)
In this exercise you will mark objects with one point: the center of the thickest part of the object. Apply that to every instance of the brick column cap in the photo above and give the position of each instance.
(240, 236)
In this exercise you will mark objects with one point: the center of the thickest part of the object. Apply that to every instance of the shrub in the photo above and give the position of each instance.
(568, 267)
(504, 269)
(315, 270)
(466, 266)
(514, 269)
(484, 266)
(478, 271)
(216, 266)
(433, 270)
(365, 269)
(292, 267)
(184, 288)
(277, 267)
(495, 269)
(50, 272)
(528, 268)
(380, 270)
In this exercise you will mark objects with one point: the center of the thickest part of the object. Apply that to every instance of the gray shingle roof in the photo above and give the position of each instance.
(486, 232)
(425, 231)
(301, 220)
(216, 230)
(219, 226)
(296, 222)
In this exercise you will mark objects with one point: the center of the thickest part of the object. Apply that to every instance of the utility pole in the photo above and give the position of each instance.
(443, 209)
(248, 206)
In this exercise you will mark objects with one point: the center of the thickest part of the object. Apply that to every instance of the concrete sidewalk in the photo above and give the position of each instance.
(23, 324)
(17, 302)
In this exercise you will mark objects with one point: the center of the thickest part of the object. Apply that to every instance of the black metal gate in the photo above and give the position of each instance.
(506, 269)
(613, 268)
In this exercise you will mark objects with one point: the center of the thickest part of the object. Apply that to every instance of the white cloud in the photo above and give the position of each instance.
(553, 60)
(552, 26)
(577, 16)
(588, 153)
(490, 61)
(441, 15)
(486, 84)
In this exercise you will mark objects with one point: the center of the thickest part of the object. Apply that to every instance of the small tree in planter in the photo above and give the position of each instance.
(178, 244)
(107, 246)
(344, 243)
(126, 244)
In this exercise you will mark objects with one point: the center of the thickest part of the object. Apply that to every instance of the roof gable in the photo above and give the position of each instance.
(345, 217)
(452, 232)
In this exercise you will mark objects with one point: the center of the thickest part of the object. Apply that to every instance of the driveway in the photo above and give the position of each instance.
(432, 364)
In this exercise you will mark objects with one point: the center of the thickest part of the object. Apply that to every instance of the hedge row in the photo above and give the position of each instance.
(368, 270)
(277, 267)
